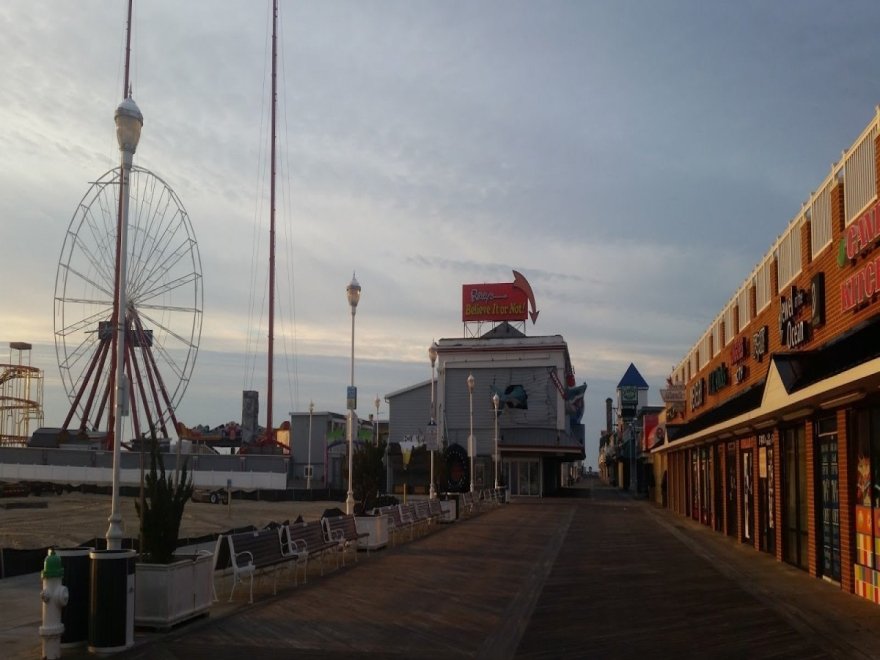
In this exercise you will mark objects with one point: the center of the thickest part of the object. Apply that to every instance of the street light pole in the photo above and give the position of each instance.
(309, 476)
(471, 443)
(377, 402)
(432, 355)
(353, 293)
(129, 121)
(495, 401)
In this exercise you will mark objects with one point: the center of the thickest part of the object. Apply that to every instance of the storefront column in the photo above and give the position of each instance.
(847, 524)
(812, 531)
(777, 478)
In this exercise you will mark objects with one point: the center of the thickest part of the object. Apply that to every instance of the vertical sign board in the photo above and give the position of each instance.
(629, 401)
(351, 397)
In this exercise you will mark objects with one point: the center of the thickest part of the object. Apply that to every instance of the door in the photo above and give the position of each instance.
(794, 490)
(732, 490)
(766, 493)
(827, 499)
(748, 498)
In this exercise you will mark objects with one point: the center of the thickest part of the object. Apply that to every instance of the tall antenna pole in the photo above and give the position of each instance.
(270, 434)
(126, 92)
(114, 353)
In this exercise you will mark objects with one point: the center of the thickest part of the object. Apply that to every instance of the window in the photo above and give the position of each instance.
(789, 253)
(730, 329)
(743, 307)
(859, 172)
(763, 284)
(820, 221)
(716, 338)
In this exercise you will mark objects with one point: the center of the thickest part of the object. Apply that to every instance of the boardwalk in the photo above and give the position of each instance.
(600, 577)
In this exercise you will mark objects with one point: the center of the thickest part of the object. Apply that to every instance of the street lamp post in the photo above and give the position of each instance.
(495, 401)
(353, 293)
(377, 402)
(309, 475)
(432, 355)
(129, 121)
(471, 443)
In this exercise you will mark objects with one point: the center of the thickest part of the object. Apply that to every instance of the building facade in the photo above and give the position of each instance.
(776, 441)
(536, 432)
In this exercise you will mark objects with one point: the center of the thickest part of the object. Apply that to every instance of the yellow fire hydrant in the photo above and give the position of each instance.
(54, 596)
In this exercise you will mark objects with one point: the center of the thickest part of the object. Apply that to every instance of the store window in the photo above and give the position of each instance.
(524, 476)
(866, 432)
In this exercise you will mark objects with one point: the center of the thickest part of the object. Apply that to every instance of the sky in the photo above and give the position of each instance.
(634, 159)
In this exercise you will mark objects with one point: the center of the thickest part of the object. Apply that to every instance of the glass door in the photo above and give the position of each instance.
(828, 498)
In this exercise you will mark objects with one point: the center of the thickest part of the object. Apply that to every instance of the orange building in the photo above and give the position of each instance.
(778, 442)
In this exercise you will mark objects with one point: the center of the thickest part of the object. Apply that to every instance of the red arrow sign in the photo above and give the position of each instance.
(520, 282)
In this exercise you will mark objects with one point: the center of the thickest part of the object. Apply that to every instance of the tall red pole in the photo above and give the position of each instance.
(270, 434)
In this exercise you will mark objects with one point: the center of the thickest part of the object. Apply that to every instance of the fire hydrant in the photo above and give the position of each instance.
(54, 596)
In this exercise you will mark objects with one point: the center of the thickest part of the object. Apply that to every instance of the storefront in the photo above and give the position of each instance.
(778, 442)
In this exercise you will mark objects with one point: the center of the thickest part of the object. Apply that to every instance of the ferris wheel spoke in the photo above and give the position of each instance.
(160, 288)
(90, 320)
(169, 362)
(162, 326)
(87, 279)
(159, 262)
(104, 240)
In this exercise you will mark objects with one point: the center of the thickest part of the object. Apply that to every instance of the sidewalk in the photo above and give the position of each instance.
(600, 577)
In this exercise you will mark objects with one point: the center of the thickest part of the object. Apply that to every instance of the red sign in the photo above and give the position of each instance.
(494, 302)
(649, 431)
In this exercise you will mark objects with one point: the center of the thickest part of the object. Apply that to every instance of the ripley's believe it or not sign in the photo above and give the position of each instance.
(507, 301)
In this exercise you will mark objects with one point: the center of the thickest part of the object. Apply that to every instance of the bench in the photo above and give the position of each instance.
(343, 531)
(306, 540)
(247, 554)
(396, 521)
(436, 510)
(468, 505)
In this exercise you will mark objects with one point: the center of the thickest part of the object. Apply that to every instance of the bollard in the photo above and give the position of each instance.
(54, 596)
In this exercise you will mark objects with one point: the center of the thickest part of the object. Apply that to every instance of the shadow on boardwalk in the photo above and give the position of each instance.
(601, 577)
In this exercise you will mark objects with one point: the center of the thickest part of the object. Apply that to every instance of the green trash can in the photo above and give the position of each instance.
(111, 600)
(75, 615)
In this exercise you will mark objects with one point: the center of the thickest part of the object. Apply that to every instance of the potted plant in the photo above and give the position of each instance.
(169, 588)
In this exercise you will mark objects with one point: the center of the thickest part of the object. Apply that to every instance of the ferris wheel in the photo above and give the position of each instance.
(163, 303)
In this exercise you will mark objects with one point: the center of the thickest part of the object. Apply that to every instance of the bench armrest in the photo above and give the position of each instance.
(239, 555)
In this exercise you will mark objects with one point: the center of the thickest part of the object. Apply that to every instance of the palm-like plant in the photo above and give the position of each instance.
(162, 510)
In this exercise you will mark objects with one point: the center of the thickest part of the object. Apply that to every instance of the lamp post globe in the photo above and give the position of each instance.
(129, 122)
(471, 443)
(353, 294)
(495, 401)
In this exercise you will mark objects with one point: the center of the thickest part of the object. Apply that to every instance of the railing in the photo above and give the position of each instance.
(90, 466)
(857, 170)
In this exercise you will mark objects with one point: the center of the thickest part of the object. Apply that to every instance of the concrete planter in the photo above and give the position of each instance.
(376, 527)
(450, 510)
(166, 594)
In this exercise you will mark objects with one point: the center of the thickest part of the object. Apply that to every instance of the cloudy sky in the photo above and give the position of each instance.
(634, 159)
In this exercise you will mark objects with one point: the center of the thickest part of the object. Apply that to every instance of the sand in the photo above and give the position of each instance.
(72, 518)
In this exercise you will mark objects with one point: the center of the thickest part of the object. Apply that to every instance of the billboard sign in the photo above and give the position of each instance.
(500, 301)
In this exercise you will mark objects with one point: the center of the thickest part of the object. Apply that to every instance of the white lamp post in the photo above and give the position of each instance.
(309, 475)
(353, 293)
(495, 401)
(432, 355)
(129, 121)
(471, 443)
